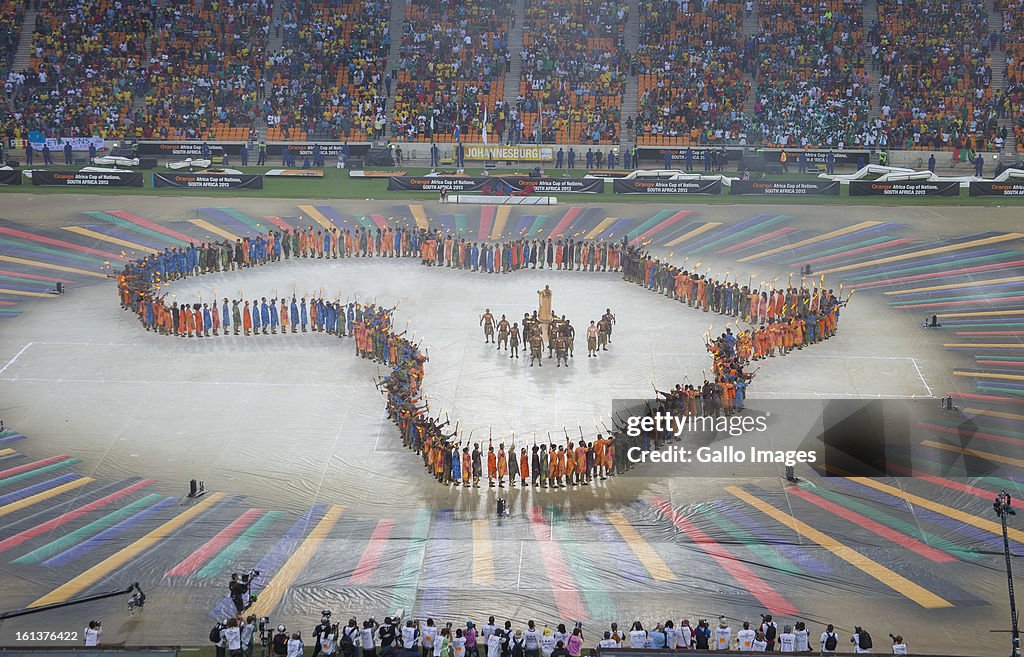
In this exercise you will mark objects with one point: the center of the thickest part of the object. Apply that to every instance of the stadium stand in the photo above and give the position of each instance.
(1011, 103)
(813, 87)
(935, 90)
(451, 67)
(690, 65)
(575, 65)
(11, 14)
(328, 77)
(206, 68)
(84, 72)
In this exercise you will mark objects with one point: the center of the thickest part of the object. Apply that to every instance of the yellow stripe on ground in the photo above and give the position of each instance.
(107, 238)
(23, 293)
(984, 345)
(896, 582)
(988, 456)
(659, 571)
(206, 225)
(5, 452)
(76, 585)
(954, 286)
(999, 414)
(317, 216)
(272, 595)
(814, 240)
(927, 252)
(46, 265)
(990, 375)
(420, 216)
(984, 313)
(949, 512)
(45, 495)
(699, 230)
(501, 218)
(607, 221)
(483, 559)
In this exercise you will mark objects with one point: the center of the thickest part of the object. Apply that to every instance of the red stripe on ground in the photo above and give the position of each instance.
(1001, 363)
(367, 565)
(198, 559)
(567, 596)
(31, 466)
(943, 274)
(990, 333)
(745, 577)
(757, 240)
(279, 222)
(955, 304)
(565, 222)
(945, 483)
(486, 220)
(861, 250)
(873, 526)
(146, 223)
(654, 230)
(34, 277)
(49, 525)
(974, 434)
(8, 303)
(380, 220)
(61, 243)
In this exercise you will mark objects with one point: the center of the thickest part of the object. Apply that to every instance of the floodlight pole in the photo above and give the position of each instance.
(1003, 509)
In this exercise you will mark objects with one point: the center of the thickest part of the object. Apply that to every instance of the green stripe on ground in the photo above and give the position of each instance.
(846, 247)
(124, 223)
(1007, 358)
(769, 556)
(28, 281)
(408, 578)
(54, 547)
(258, 226)
(649, 223)
(986, 480)
(582, 567)
(1006, 391)
(902, 271)
(365, 222)
(28, 246)
(39, 471)
(220, 563)
(460, 225)
(912, 303)
(908, 528)
(1000, 431)
(737, 237)
(538, 224)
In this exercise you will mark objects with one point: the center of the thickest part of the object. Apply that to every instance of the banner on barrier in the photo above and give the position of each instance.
(333, 149)
(784, 188)
(907, 188)
(498, 185)
(79, 144)
(816, 157)
(1009, 188)
(10, 176)
(659, 186)
(520, 153)
(189, 149)
(86, 178)
(207, 181)
(648, 155)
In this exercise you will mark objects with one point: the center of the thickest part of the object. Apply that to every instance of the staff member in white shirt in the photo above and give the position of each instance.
(410, 639)
(745, 637)
(898, 647)
(829, 640)
(637, 636)
(532, 640)
(92, 634)
(787, 640)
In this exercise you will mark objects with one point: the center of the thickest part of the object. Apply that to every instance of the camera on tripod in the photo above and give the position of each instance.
(325, 617)
(249, 576)
(266, 631)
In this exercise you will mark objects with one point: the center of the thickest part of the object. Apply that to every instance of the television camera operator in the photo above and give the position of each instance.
(239, 587)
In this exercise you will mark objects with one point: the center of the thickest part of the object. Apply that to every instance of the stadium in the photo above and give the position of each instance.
(573, 327)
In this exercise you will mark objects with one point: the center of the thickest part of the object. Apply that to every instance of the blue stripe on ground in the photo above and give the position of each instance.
(240, 227)
(333, 216)
(439, 553)
(278, 555)
(28, 491)
(39, 288)
(722, 231)
(110, 230)
(974, 534)
(524, 224)
(629, 566)
(11, 438)
(446, 222)
(974, 289)
(28, 254)
(801, 556)
(856, 236)
(954, 258)
(107, 535)
(618, 229)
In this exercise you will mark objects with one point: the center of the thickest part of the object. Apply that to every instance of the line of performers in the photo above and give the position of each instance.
(437, 249)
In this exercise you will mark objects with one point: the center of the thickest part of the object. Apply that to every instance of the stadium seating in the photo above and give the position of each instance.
(574, 70)
(451, 67)
(1011, 103)
(690, 65)
(936, 73)
(11, 14)
(813, 87)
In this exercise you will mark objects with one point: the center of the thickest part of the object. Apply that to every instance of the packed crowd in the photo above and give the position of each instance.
(328, 80)
(813, 87)
(690, 61)
(396, 637)
(12, 13)
(935, 87)
(1011, 102)
(452, 64)
(571, 87)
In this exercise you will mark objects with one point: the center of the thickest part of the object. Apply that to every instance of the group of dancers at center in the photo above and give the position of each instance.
(561, 336)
